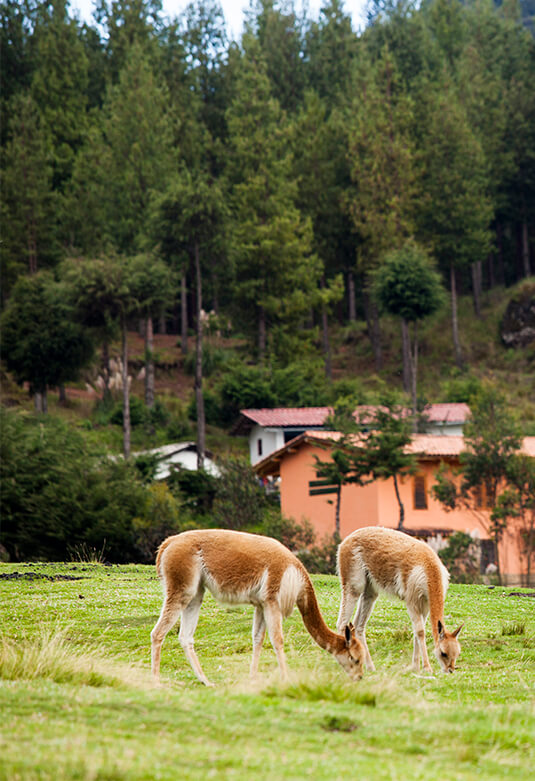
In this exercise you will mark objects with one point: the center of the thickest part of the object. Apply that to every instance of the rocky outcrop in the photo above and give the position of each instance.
(517, 328)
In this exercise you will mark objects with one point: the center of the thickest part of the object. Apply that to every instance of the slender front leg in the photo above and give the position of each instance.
(347, 606)
(420, 648)
(188, 625)
(259, 631)
(168, 617)
(273, 619)
(366, 602)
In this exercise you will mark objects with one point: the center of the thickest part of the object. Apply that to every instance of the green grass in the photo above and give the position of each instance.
(77, 701)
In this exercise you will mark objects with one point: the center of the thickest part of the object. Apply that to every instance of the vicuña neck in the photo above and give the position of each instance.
(313, 620)
(436, 600)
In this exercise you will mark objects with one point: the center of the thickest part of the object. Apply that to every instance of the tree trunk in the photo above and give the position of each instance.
(149, 363)
(337, 513)
(476, 269)
(106, 393)
(374, 330)
(261, 333)
(326, 344)
(352, 309)
(525, 249)
(183, 314)
(40, 401)
(454, 323)
(414, 376)
(492, 275)
(401, 508)
(126, 394)
(500, 275)
(199, 398)
(406, 353)
(62, 395)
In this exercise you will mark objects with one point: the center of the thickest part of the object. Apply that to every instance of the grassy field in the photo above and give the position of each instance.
(77, 701)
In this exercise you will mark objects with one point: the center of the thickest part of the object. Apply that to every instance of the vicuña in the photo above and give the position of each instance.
(242, 568)
(375, 559)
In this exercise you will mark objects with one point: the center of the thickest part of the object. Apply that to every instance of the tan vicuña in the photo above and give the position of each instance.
(237, 567)
(375, 559)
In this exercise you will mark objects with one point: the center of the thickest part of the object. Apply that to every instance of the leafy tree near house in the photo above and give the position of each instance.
(486, 466)
(516, 507)
(42, 342)
(372, 449)
(407, 286)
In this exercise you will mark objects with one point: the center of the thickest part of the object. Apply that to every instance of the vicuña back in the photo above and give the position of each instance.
(375, 559)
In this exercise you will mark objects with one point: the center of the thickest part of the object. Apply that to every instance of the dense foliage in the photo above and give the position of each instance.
(292, 160)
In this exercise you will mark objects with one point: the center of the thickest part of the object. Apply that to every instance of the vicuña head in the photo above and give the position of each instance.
(375, 559)
(242, 568)
(448, 647)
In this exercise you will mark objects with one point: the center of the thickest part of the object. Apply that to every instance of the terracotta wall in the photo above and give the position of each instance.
(376, 505)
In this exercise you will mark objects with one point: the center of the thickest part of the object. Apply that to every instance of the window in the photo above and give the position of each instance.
(481, 496)
(420, 494)
(259, 445)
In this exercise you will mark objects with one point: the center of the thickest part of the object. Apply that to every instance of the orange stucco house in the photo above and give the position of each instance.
(375, 504)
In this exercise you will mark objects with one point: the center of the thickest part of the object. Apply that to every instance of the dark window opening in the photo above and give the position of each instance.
(420, 494)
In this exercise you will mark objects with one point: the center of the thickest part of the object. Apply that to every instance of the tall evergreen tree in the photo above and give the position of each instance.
(381, 156)
(59, 88)
(456, 210)
(125, 158)
(29, 227)
(277, 276)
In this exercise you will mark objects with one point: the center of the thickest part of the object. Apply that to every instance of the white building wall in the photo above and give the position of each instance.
(271, 438)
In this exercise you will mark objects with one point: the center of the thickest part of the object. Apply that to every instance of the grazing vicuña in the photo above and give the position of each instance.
(375, 559)
(242, 568)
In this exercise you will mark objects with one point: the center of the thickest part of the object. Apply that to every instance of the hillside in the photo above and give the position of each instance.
(487, 359)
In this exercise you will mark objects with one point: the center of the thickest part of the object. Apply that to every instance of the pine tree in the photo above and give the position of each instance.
(456, 210)
(276, 274)
(29, 228)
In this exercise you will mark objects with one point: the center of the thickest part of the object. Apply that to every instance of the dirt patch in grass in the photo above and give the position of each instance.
(37, 576)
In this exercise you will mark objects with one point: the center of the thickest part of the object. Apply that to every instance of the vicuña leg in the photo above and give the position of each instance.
(273, 619)
(169, 615)
(188, 625)
(365, 606)
(259, 632)
(419, 648)
(347, 606)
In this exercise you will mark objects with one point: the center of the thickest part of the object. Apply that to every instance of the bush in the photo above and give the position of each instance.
(195, 490)
(244, 387)
(240, 501)
(56, 493)
(296, 536)
(160, 518)
(460, 558)
(139, 413)
(321, 559)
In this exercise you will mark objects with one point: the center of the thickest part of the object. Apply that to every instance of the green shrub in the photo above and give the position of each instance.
(57, 492)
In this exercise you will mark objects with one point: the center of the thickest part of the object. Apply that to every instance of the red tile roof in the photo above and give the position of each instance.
(288, 416)
(316, 416)
(427, 446)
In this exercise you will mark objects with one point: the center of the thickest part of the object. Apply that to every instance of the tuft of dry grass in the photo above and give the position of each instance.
(50, 656)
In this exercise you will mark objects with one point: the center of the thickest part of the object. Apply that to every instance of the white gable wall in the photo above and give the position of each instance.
(271, 439)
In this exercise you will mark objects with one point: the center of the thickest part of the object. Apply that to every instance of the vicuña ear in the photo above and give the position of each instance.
(441, 630)
(348, 631)
(458, 630)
